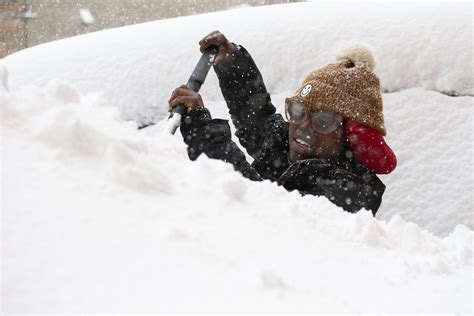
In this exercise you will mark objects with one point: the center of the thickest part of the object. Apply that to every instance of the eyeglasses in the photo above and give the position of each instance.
(321, 121)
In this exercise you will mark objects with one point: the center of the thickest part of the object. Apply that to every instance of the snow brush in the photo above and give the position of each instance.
(194, 83)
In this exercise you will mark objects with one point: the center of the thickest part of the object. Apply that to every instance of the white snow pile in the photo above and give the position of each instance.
(98, 216)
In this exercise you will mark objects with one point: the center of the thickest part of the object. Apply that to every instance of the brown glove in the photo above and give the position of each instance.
(225, 48)
(185, 96)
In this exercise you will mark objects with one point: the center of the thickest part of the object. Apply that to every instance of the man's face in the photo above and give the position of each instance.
(305, 142)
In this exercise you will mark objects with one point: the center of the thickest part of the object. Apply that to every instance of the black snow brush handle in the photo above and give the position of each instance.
(194, 83)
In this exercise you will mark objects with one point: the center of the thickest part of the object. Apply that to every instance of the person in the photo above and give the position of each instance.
(332, 144)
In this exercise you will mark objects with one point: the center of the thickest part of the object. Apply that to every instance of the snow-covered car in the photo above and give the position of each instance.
(100, 216)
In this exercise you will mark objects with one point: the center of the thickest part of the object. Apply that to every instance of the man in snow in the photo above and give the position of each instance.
(332, 144)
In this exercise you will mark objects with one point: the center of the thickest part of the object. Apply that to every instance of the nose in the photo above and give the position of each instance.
(305, 131)
(305, 125)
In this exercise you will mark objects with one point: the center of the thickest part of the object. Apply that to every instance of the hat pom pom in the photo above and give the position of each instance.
(357, 52)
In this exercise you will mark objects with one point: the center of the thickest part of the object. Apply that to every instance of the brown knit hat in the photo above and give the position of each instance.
(348, 87)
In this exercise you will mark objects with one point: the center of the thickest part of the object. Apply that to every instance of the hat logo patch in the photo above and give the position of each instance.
(306, 90)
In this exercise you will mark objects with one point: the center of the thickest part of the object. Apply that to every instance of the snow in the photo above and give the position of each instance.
(416, 44)
(31, 14)
(86, 16)
(99, 216)
(3, 77)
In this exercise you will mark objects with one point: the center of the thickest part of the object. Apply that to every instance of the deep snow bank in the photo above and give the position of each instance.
(93, 220)
(416, 44)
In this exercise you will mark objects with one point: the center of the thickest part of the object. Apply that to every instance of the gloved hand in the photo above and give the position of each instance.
(370, 148)
(225, 48)
(186, 96)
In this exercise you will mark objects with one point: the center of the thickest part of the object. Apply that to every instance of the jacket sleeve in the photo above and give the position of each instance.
(247, 98)
(352, 192)
(203, 134)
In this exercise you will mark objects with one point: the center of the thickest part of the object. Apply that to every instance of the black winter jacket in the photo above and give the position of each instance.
(264, 134)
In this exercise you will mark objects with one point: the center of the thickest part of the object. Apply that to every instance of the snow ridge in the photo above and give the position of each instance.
(117, 191)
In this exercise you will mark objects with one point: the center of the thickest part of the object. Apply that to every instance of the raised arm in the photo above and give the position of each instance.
(243, 89)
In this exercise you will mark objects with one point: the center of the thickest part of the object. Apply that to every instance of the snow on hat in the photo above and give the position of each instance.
(348, 87)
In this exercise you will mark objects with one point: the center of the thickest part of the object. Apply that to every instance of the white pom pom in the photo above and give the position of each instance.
(357, 52)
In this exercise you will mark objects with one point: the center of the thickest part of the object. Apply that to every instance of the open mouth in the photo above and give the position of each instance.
(302, 143)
